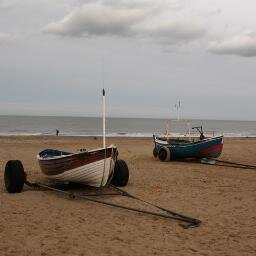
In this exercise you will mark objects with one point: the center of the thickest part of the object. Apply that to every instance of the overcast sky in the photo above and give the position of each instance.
(56, 55)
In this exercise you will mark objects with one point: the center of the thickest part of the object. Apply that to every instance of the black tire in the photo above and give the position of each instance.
(14, 176)
(164, 154)
(155, 152)
(121, 174)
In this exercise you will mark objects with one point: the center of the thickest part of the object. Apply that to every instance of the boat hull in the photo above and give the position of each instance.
(206, 148)
(93, 168)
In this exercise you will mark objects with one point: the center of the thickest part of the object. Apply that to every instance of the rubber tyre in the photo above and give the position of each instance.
(14, 176)
(121, 174)
(155, 152)
(164, 154)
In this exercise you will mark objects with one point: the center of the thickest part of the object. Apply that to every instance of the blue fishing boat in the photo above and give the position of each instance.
(167, 149)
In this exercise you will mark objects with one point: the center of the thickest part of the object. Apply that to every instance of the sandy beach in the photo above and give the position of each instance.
(46, 223)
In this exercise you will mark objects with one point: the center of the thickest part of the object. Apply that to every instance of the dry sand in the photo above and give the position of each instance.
(45, 223)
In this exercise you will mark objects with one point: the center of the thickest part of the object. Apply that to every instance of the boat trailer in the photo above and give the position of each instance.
(184, 221)
(15, 178)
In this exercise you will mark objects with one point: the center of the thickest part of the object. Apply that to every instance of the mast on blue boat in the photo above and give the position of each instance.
(178, 110)
(189, 130)
(167, 128)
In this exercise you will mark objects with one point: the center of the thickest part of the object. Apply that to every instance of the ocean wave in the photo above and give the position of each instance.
(20, 134)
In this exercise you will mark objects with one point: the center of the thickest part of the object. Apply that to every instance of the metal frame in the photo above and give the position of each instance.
(184, 221)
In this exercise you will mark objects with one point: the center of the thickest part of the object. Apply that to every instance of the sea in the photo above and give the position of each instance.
(120, 127)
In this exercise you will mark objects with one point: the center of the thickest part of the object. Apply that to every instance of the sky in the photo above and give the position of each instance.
(56, 55)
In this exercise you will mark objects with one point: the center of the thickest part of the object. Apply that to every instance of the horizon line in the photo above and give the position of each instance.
(127, 117)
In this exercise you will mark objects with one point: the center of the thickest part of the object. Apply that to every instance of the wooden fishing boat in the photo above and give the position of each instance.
(97, 167)
(93, 168)
(167, 148)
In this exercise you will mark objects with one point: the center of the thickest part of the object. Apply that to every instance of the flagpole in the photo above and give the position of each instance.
(104, 117)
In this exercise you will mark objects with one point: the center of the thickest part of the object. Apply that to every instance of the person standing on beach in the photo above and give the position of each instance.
(57, 132)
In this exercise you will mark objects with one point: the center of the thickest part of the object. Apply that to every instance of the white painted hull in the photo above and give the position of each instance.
(93, 168)
(95, 174)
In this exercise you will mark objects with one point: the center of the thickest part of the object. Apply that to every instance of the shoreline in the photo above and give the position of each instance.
(110, 137)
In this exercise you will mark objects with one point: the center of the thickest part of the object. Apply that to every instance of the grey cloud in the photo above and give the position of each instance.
(244, 46)
(129, 4)
(177, 32)
(96, 19)
(124, 18)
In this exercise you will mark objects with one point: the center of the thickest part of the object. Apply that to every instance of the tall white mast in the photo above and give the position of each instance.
(104, 117)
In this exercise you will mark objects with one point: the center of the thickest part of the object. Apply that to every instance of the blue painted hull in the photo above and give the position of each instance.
(209, 147)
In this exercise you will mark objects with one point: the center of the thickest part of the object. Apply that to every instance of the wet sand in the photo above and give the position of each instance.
(46, 223)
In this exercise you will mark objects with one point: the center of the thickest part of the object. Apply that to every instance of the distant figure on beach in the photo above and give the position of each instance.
(57, 132)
